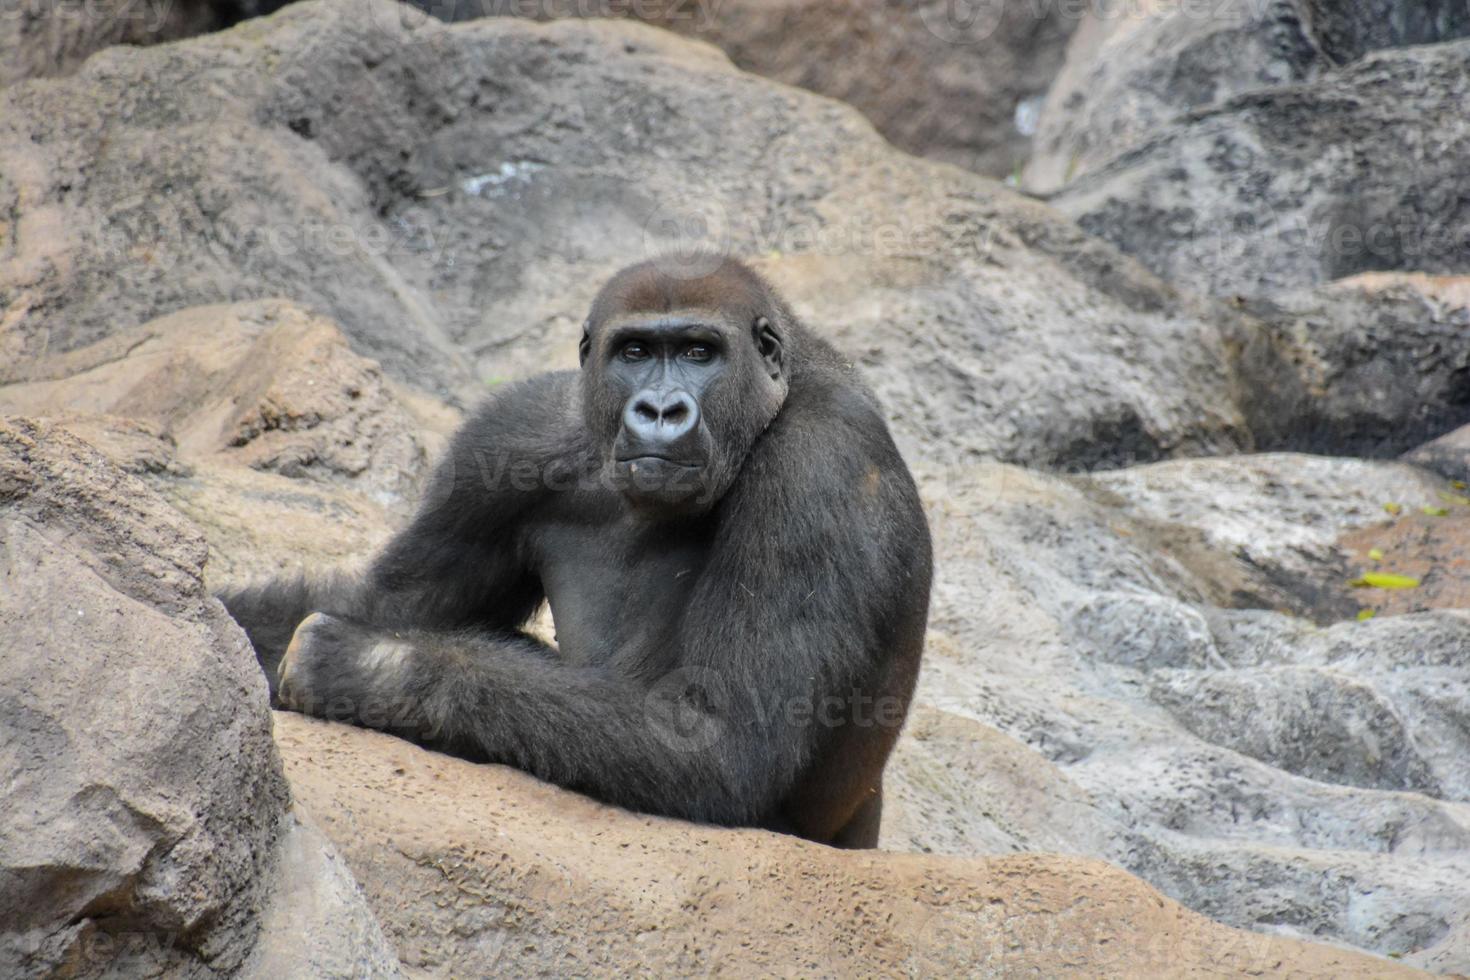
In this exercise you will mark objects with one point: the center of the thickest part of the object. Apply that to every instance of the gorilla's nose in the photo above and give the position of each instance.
(658, 421)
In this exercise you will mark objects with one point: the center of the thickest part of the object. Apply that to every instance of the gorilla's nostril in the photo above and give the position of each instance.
(645, 412)
(676, 413)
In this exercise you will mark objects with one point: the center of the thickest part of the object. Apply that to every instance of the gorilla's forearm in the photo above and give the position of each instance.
(659, 749)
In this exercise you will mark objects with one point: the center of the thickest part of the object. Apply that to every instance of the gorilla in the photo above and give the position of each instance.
(733, 550)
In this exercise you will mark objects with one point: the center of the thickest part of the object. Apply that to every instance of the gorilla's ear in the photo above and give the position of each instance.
(768, 342)
(584, 347)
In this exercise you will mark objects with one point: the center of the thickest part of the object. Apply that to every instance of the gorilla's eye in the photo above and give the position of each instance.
(633, 351)
(698, 352)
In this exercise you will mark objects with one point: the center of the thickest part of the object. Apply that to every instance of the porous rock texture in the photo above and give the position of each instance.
(962, 83)
(1239, 148)
(1132, 68)
(1372, 365)
(264, 384)
(481, 870)
(144, 806)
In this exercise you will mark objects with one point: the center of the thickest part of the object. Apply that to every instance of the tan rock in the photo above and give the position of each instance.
(262, 384)
(480, 870)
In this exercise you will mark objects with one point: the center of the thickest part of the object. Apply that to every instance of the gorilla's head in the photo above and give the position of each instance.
(680, 376)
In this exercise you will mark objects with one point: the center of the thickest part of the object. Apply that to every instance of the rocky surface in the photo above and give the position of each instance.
(144, 801)
(44, 39)
(1178, 648)
(452, 196)
(1373, 365)
(264, 385)
(1131, 69)
(959, 83)
(508, 875)
(962, 83)
(1449, 455)
(1168, 666)
(1244, 159)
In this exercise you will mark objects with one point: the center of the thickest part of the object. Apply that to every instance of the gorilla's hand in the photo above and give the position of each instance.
(329, 665)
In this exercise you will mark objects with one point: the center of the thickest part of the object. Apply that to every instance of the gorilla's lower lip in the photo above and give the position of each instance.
(628, 460)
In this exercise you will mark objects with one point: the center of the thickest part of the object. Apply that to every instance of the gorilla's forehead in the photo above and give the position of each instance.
(691, 322)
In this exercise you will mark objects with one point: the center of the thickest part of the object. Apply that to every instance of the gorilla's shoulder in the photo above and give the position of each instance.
(541, 410)
(529, 400)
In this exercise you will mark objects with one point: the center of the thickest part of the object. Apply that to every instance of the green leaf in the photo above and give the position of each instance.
(1393, 508)
(1436, 511)
(1366, 614)
(1385, 580)
(1376, 554)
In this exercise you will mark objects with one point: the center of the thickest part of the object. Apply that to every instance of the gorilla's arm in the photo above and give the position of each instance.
(783, 640)
(458, 564)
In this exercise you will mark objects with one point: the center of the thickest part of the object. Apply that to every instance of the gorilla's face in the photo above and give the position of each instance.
(677, 399)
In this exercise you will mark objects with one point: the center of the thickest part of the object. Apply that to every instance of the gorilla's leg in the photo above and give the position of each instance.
(861, 831)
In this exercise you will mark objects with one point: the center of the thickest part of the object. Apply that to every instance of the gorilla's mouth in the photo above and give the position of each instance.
(649, 479)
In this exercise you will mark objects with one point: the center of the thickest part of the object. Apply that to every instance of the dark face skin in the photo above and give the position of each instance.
(678, 398)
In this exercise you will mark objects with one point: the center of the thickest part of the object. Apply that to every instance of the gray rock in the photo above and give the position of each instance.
(1449, 455)
(1360, 169)
(1272, 773)
(1371, 366)
(46, 39)
(315, 922)
(958, 83)
(1132, 69)
(1314, 722)
(949, 82)
(144, 798)
(453, 195)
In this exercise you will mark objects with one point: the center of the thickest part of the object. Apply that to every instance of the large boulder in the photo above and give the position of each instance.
(145, 809)
(961, 83)
(1178, 648)
(480, 870)
(1237, 154)
(453, 195)
(1372, 365)
(1132, 68)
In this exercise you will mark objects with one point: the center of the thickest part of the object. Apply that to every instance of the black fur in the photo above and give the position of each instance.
(737, 642)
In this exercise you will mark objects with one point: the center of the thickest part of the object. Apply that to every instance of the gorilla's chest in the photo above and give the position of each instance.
(619, 590)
